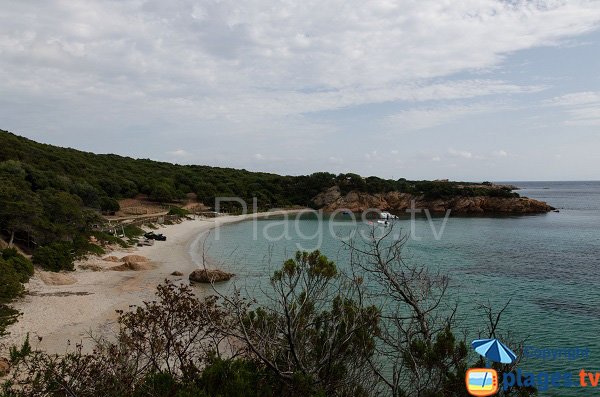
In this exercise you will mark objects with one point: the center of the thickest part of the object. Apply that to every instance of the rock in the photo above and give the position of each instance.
(51, 278)
(111, 259)
(332, 200)
(176, 273)
(134, 258)
(131, 266)
(4, 366)
(209, 276)
(91, 267)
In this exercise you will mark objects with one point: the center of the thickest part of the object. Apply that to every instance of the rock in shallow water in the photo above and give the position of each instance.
(209, 276)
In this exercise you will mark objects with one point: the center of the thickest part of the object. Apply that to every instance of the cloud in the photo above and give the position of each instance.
(371, 155)
(269, 77)
(582, 108)
(179, 153)
(499, 153)
(335, 160)
(223, 58)
(460, 153)
(419, 118)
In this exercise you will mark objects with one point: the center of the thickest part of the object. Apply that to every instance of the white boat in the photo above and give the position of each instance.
(387, 216)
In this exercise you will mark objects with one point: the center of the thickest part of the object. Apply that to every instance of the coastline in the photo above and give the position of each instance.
(73, 306)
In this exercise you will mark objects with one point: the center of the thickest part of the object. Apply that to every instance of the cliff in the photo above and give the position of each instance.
(332, 199)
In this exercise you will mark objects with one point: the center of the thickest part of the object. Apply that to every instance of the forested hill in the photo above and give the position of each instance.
(52, 194)
(94, 177)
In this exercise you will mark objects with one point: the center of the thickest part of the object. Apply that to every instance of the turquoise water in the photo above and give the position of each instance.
(547, 264)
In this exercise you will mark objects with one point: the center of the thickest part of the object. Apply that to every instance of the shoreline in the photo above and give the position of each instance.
(61, 311)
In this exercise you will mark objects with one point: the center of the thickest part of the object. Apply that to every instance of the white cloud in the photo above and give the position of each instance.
(500, 153)
(233, 59)
(427, 117)
(179, 153)
(582, 108)
(460, 153)
(236, 78)
(371, 155)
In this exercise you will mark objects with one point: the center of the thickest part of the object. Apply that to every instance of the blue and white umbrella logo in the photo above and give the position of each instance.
(494, 350)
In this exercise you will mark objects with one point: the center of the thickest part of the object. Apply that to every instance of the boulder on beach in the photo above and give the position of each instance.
(51, 278)
(128, 266)
(176, 273)
(210, 276)
(134, 258)
(111, 259)
(91, 267)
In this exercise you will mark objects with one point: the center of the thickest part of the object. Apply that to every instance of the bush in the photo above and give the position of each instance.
(10, 282)
(109, 205)
(106, 238)
(178, 211)
(84, 247)
(132, 231)
(55, 256)
(8, 316)
(19, 263)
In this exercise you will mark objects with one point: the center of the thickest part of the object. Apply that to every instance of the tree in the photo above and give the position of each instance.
(109, 205)
(20, 206)
(162, 193)
(419, 354)
(55, 257)
(315, 336)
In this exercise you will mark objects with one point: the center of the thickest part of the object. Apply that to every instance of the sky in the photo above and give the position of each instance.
(458, 89)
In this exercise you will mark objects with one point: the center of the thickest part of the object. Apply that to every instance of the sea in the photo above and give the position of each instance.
(546, 265)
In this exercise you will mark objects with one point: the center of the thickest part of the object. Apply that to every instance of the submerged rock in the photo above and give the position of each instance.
(176, 273)
(209, 276)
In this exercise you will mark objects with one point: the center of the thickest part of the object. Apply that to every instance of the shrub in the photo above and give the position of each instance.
(84, 247)
(106, 238)
(10, 282)
(109, 205)
(8, 316)
(19, 263)
(178, 211)
(132, 231)
(55, 256)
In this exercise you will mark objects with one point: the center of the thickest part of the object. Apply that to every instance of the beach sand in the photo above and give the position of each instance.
(85, 304)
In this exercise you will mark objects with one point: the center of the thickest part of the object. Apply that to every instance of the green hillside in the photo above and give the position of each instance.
(52, 194)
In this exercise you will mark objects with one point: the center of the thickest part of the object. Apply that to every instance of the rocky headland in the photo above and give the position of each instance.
(333, 199)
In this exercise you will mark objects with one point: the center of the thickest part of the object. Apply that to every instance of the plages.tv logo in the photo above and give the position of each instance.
(482, 382)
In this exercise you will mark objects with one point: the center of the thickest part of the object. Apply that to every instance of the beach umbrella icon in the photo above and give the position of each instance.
(494, 350)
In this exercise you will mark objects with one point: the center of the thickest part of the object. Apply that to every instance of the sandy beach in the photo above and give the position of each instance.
(58, 315)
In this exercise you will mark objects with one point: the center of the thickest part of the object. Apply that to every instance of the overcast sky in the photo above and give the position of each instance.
(460, 89)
